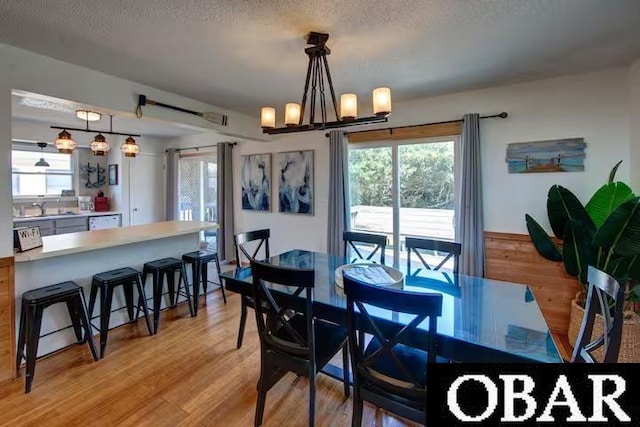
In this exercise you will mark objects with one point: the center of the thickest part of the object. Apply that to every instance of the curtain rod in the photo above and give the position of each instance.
(502, 115)
(177, 150)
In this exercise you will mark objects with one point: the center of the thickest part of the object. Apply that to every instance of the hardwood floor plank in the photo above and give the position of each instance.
(189, 374)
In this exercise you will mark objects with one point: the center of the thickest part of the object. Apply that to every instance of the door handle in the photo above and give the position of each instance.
(135, 209)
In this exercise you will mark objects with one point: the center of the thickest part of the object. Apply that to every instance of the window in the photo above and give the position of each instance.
(30, 181)
(198, 190)
(404, 188)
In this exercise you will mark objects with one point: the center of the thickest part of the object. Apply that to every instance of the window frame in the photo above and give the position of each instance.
(73, 172)
(395, 183)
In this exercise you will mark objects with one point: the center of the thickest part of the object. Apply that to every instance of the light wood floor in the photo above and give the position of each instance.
(189, 374)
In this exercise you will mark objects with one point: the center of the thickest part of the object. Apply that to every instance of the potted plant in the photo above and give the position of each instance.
(606, 234)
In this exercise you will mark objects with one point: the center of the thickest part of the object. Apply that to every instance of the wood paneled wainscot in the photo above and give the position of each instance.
(7, 344)
(513, 258)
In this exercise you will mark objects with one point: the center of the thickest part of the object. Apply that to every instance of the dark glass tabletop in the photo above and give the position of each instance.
(482, 320)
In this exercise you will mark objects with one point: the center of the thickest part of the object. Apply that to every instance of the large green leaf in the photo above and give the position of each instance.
(612, 174)
(606, 200)
(619, 268)
(541, 240)
(621, 230)
(634, 268)
(577, 251)
(562, 206)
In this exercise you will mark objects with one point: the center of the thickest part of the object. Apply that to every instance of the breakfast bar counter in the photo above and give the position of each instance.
(79, 256)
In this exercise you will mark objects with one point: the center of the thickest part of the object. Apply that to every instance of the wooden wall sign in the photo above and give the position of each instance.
(28, 238)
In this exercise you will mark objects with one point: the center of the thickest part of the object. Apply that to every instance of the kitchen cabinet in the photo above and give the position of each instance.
(52, 225)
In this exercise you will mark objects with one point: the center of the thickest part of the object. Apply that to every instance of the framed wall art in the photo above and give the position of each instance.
(256, 182)
(295, 182)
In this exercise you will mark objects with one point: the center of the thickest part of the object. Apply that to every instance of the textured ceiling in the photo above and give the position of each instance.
(243, 54)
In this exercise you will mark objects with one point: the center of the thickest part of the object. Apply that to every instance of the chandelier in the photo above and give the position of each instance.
(99, 146)
(314, 91)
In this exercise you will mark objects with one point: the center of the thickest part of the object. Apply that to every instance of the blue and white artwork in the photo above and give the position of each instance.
(256, 182)
(560, 155)
(295, 193)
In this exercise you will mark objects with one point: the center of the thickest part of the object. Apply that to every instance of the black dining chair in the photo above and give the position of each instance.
(418, 244)
(378, 242)
(261, 237)
(387, 373)
(603, 289)
(291, 339)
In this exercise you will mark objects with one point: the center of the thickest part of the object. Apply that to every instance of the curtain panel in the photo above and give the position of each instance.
(338, 192)
(226, 249)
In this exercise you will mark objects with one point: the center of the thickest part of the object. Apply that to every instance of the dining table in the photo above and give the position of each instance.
(482, 321)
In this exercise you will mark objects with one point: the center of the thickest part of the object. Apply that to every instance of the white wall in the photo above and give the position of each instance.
(31, 72)
(593, 106)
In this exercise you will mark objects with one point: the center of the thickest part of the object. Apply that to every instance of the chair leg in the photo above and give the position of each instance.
(356, 417)
(22, 333)
(171, 284)
(157, 299)
(183, 279)
(72, 307)
(312, 397)
(33, 336)
(195, 277)
(345, 369)
(106, 297)
(142, 300)
(88, 335)
(92, 299)
(204, 271)
(263, 387)
(224, 297)
(128, 296)
(243, 321)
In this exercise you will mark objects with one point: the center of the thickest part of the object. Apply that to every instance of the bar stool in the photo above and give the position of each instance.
(33, 304)
(105, 282)
(199, 261)
(159, 269)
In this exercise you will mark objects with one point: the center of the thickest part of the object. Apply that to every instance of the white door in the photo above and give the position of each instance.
(147, 188)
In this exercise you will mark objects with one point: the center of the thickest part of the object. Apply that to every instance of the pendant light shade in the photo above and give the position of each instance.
(382, 101)
(65, 144)
(99, 146)
(348, 106)
(130, 148)
(268, 117)
(292, 114)
(42, 162)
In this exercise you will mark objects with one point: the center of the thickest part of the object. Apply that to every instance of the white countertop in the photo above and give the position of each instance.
(61, 216)
(83, 241)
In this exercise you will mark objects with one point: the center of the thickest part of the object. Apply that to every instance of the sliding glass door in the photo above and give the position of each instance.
(404, 189)
(198, 190)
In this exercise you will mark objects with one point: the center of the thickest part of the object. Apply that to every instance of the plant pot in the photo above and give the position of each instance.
(630, 344)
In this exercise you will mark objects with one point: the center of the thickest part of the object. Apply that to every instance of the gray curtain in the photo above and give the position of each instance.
(225, 201)
(171, 212)
(338, 192)
(470, 225)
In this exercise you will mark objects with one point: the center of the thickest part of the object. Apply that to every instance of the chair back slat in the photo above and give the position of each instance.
(241, 240)
(360, 295)
(274, 317)
(379, 242)
(416, 244)
(605, 297)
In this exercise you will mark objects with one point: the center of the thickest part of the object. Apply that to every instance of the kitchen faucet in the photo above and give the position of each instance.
(41, 206)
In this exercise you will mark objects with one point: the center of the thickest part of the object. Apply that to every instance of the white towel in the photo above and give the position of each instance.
(375, 275)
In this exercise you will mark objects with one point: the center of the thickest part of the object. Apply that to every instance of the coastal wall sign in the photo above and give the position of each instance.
(558, 155)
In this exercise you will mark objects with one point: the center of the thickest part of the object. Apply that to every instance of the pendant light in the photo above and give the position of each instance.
(65, 144)
(42, 162)
(130, 148)
(99, 146)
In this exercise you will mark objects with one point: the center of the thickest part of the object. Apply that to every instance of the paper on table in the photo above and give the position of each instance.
(374, 275)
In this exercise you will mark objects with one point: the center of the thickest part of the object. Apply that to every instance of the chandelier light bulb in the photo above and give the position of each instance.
(292, 114)
(348, 106)
(268, 117)
(382, 101)
(130, 148)
(99, 146)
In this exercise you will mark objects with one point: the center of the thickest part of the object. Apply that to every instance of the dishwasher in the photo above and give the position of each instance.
(103, 222)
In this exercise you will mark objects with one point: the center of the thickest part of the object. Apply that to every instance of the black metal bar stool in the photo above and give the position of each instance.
(33, 304)
(159, 269)
(105, 282)
(199, 261)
